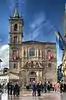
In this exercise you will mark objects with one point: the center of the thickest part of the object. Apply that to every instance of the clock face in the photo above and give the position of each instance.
(15, 27)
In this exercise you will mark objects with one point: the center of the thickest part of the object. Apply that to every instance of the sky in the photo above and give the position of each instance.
(41, 19)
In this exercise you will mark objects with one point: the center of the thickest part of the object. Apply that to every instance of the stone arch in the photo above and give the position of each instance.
(32, 76)
(32, 73)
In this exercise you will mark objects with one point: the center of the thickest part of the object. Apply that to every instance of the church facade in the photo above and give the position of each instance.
(30, 60)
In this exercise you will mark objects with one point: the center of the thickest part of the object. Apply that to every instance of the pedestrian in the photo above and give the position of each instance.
(48, 86)
(34, 88)
(64, 87)
(42, 87)
(17, 89)
(14, 89)
(9, 88)
(39, 89)
(61, 87)
(45, 87)
(57, 87)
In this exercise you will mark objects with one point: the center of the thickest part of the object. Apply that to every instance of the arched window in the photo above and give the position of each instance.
(49, 68)
(49, 65)
(24, 53)
(15, 54)
(15, 39)
(32, 52)
(32, 73)
(15, 65)
(49, 55)
(15, 27)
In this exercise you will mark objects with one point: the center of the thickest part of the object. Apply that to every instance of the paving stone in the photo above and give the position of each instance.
(47, 96)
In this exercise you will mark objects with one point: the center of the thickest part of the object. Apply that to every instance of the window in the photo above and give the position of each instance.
(15, 66)
(49, 55)
(15, 54)
(24, 53)
(49, 65)
(15, 27)
(15, 39)
(32, 52)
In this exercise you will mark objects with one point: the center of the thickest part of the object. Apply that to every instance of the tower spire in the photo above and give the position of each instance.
(16, 12)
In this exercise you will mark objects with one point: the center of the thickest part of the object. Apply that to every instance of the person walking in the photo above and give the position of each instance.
(48, 86)
(17, 89)
(64, 87)
(39, 89)
(10, 88)
(34, 88)
(45, 87)
(14, 89)
(61, 87)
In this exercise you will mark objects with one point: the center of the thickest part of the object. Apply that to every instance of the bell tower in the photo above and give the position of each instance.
(15, 44)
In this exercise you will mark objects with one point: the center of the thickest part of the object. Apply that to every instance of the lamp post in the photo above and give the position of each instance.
(0, 63)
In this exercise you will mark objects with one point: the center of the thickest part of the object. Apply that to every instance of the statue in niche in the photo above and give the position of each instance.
(37, 65)
(26, 65)
(31, 64)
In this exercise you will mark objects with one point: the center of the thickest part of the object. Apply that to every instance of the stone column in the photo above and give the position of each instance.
(40, 53)
(40, 75)
(27, 77)
(37, 73)
(37, 53)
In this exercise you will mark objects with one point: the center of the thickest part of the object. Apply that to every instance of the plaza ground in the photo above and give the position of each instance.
(44, 96)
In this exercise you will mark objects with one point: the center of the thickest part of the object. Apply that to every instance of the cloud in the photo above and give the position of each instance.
(39, 24)
(4, 56)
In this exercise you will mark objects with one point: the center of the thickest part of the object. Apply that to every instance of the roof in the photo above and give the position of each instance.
(38, 42)
(16, 14)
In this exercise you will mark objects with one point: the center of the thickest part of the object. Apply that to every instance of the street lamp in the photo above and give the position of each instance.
(0, 63)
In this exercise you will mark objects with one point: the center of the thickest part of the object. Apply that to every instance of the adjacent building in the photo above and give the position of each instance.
(64, 51)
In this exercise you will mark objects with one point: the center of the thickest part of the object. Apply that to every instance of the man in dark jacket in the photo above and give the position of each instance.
(64, 87)
(39, 89)
(17, 89)
(61, 87)
(9, 87)
(45, 87)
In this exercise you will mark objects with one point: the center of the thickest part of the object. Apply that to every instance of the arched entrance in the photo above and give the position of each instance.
(32, 76)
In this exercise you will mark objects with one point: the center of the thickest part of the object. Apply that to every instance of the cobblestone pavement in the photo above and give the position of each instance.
(63, 96)
(47, 96)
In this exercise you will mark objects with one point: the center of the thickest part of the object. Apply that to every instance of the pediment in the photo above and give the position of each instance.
(32, 64)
